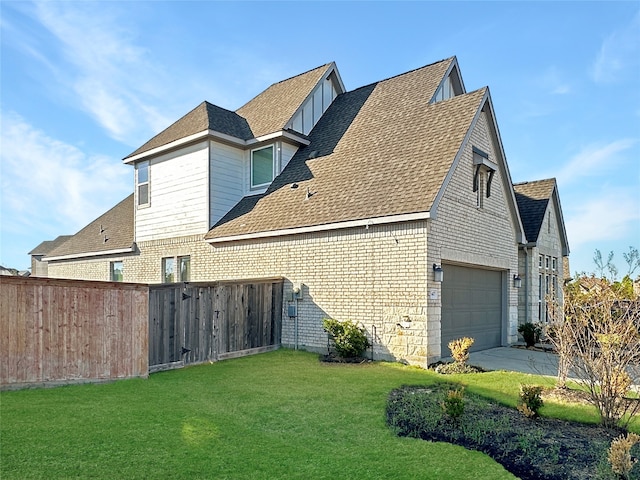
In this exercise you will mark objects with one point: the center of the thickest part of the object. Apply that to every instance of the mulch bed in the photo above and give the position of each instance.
(532, 449)
(332, 358)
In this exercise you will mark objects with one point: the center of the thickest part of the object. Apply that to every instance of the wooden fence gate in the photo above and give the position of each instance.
(200, 322)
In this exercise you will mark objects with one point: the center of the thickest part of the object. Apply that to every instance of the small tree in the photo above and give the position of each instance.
(598, 340)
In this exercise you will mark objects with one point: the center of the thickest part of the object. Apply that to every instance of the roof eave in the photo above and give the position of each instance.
(293, 137)
(366, 222)
(73, 256)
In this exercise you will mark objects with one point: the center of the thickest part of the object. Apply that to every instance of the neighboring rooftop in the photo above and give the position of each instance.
(533, 198)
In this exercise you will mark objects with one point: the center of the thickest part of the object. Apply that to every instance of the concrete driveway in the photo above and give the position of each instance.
(516, 360)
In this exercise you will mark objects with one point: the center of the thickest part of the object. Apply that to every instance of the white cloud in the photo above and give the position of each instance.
(50, 185)
(608, 215)
(619, 53)
(594, 159)
(553, 82)
(113, 77)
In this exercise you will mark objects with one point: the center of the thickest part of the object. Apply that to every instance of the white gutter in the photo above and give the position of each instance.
(368, 222)
(91, 254)
(218, 136)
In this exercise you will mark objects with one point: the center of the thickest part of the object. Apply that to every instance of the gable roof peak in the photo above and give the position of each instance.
(271, 110)
(321, 67)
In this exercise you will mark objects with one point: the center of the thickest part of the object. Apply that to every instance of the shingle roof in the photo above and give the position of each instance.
(271, 110)
(116, 225)
(205, 116)
(379, 150)
(533, 198)
(49, 245)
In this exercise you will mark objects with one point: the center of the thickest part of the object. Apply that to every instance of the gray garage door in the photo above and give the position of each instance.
(471, 307)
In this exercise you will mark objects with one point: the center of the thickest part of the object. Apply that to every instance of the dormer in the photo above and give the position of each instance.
(325, 92)
(451, 84)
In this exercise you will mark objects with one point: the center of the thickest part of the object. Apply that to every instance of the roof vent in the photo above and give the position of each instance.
(312, 154)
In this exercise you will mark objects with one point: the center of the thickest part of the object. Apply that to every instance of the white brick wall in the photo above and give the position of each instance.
(466, 235)
(378, 276)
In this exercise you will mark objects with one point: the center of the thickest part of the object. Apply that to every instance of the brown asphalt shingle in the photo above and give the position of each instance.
(533, 198)
(267, 113)
(116, 225)
(205, 116)
(379, 150)
(271, 110)
(49, 245)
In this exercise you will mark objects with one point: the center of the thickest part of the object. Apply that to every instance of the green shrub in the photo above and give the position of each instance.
(349, 340)
(530, 332)
(453, 404)
(530, 400)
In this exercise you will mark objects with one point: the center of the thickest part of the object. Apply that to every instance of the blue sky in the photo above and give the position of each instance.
(85, 84)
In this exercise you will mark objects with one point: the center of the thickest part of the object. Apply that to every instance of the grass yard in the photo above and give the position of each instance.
(282, 414)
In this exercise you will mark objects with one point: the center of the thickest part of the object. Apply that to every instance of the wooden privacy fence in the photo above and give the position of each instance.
(199, 322)
(56, 331)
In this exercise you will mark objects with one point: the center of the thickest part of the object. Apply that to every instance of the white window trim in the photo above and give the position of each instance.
(163, 269)
(253, 187)
(111, 270)
(179, 268)
(147, 183)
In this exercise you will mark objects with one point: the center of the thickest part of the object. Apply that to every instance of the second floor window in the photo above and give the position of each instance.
(142, 183)
(262, 167)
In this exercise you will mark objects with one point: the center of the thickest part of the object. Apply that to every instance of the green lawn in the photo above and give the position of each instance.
(277, 415)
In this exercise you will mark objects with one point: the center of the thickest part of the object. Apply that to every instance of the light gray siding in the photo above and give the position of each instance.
(178, 193)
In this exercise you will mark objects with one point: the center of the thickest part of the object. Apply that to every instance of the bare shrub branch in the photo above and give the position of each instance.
(597, 339)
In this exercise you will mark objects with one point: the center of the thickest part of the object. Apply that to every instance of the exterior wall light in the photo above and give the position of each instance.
(517, 281)
(438, 274)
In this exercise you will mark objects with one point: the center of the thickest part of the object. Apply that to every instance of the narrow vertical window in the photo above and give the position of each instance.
(184, 269)
(116, 271)
(547, 289)
(142, 183)
(168, 275)
(540, 298)
(261, 167)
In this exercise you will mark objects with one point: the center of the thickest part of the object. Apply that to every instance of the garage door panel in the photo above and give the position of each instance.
(471, 307)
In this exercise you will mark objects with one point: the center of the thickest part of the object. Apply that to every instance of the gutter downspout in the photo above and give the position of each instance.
(526, 285)
(296, 326)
